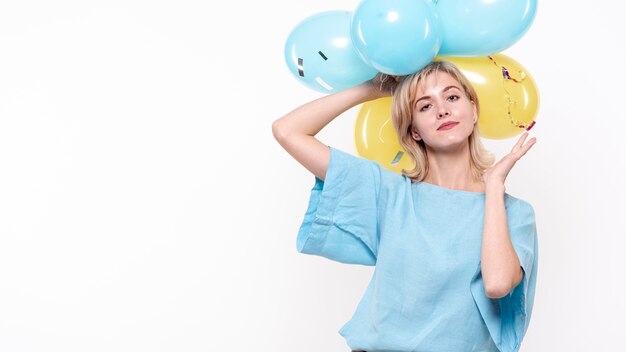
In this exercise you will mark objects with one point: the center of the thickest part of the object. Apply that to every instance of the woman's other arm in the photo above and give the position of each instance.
(500, 265)
(296, 130)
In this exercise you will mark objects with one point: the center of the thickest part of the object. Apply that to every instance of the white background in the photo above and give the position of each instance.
(145, 206)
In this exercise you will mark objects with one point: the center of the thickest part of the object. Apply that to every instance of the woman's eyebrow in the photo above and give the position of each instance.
(450, 87)
(428, 96)
(422, 98)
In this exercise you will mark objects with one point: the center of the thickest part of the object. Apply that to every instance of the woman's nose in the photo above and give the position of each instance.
(443, 113)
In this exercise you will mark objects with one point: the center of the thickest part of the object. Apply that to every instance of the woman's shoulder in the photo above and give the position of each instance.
(386, 175)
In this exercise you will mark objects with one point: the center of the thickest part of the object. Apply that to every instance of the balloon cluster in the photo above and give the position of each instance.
(335, 50)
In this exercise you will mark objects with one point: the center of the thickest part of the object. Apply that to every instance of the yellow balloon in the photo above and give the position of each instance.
(376, 138)
(506, 91)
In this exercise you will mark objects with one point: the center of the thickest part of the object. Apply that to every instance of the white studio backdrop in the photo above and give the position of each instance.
(145, 206)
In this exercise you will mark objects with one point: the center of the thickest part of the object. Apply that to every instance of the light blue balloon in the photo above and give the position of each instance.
(483, 27)
(396, 37)
(320, 54)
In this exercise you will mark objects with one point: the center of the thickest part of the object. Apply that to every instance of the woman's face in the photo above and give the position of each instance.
(443, 116)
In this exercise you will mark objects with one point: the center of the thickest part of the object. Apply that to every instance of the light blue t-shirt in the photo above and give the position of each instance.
(427, 292)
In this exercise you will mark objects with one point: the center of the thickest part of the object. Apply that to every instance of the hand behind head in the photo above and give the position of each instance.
(386, 84)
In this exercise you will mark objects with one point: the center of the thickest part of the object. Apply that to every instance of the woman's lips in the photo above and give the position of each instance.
(447, 126)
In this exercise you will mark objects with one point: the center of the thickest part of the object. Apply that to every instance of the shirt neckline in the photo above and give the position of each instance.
(448, 190)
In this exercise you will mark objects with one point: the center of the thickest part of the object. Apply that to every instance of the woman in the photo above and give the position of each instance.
(455, 256)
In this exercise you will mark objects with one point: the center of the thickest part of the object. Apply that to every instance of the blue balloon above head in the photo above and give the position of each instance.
(474, 28)
(396, 37)
(320, 54)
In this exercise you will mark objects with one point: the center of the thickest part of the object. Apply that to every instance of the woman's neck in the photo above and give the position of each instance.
(452, 170)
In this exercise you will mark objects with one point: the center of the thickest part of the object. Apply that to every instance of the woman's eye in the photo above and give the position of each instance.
(425, 107)
(453, 97)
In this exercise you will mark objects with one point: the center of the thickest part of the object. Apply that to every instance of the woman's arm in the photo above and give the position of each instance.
(295, 131)
(500, 266)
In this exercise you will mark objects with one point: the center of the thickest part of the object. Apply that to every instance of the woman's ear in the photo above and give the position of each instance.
(415, 135)
(475, 118)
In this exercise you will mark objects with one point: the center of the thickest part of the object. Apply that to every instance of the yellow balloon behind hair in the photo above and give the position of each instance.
(506, 91)
(376, 138)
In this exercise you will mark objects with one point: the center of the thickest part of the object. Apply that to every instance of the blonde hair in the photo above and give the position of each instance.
(404, 97)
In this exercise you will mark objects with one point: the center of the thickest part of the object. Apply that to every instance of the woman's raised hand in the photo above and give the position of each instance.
(384, 84)
(499, 171)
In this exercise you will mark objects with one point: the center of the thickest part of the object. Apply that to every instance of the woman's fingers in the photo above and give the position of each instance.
(520, 149)
(520, 142)
(530, 143)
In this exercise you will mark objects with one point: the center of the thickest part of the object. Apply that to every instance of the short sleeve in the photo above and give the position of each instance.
(341, 222)
(507, 318)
